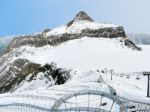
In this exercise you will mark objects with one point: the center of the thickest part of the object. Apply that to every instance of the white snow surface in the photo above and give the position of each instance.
(130, 88)
(78, 26)
(90, 54)
(45, 97)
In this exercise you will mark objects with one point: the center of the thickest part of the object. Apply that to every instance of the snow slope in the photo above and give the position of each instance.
(46, 97)
(90, 53)
(89, 80)
(83, 56)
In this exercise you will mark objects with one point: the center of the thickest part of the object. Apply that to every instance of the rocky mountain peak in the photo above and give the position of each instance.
(80, 16)
(83, 16)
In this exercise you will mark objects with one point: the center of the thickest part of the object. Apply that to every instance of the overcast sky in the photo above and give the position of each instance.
(28, 16)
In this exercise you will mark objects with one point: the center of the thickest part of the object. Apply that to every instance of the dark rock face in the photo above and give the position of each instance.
(80, 16)
(58, 74)
(105, 32)
(83, 16)
(20, 69)
(14, 73)
(130, 44)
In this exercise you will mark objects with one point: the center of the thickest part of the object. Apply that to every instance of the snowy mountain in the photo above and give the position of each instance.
(80, 22)
(81, 26)
(69, 47)
(36, 70)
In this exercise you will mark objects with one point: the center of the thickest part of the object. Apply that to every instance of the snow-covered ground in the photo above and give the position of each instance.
(87, 54)
(126, 85)
(93, 54)
(86, 57)
(90, 54)
(46, 97)
(130, 85)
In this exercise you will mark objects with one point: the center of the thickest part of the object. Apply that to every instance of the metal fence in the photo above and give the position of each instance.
(126, 104)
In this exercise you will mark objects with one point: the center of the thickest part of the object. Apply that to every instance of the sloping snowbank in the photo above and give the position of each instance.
(91, 53)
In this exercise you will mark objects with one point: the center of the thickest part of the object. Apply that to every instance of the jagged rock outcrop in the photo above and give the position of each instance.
(130, 44)
(105, 32)
(40, 40)
(83, 16)
(15, 73)
(80, 16)
(21, 70)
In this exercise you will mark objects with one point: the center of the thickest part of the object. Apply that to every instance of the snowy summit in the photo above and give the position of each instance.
(80, 22)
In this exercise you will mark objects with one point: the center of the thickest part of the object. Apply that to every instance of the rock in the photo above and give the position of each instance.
(14, 75)
(80, 16)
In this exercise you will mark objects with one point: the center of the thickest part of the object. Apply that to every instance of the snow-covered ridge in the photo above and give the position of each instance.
(75, 31)
(78, 26)
(89, 53)
(80, 22)
(81, 26)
